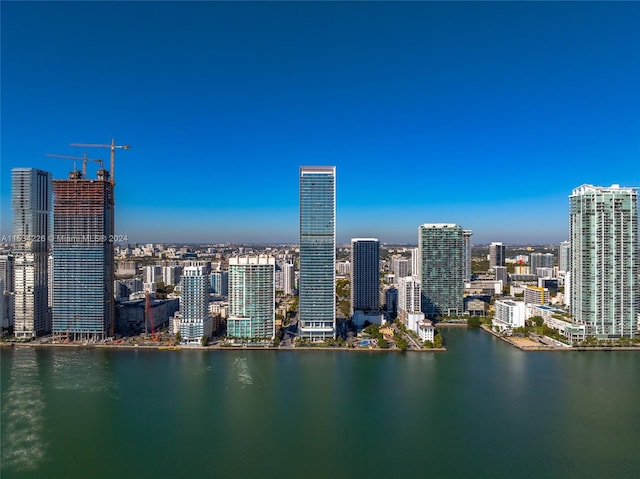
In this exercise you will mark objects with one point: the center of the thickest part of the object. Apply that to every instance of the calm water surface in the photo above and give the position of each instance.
(483, 409)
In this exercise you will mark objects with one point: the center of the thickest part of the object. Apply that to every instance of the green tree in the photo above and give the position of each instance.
(400, 341)
(474, 322)
(537, 320)
(204, 340)
(178, 337)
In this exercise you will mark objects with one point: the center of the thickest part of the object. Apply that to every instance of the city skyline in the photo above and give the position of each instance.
(469, 98)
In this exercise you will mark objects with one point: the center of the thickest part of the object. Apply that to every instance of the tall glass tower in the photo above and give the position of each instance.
(251, 297)
(442, 249)
(605, 292)
(83, 270)
(31, 203)
(365, 274)
(317, 285)
(194, 304)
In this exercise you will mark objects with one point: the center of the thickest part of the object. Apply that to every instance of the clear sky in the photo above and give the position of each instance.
(484, 114)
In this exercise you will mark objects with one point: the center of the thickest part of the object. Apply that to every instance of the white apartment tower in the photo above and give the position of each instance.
(605, 291)
(251, 297)
(409, 296)
(194, 304)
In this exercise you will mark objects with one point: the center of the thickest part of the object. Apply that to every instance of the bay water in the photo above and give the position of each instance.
(483, 409)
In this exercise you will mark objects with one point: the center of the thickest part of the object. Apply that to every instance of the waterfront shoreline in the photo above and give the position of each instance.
(557, 348)
(162, 347)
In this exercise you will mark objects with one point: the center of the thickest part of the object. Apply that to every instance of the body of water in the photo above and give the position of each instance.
(482, 409)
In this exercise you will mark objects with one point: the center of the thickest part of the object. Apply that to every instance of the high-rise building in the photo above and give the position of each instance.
(501, 274)
(415, 262)
(391, 301)
(220, 282)
(605, 291)
(365, 274)
(442, 249)
(83, 268)
(289, 278)
(564, 256)
(496, 255)
(251, 297)
(194, 304)
(6, 293)
(31, 203)
(317, 288)
(466, 256)
(409, 297)
(540, 260)
(400, 267)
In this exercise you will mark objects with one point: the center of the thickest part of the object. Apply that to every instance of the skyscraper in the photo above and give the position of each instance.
(466, 259)
(251, 297)
(6, 293)
(365, 274)
(496, 255)
(194, 304)
(31, 203)
(605, 295)
(83, 269)
(442, 248)
(317, 288)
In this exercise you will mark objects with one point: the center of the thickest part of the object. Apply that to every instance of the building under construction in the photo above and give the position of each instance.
(83, 225)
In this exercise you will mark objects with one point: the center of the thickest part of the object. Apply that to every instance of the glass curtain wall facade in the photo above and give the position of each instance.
(365, 274)
(251, 297)
(194, 304)
(605, 295)
(31, 204)
(83, 268)
(442, 250)
(317, 286)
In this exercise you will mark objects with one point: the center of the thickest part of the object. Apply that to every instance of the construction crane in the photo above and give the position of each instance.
(113, 148)
(84, 160)
(149, 317)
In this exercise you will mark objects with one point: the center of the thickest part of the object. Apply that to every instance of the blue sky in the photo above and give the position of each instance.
(484, 114)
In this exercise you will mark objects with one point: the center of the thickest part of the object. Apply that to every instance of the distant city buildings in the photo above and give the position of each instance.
(220, 282)
(605, 289)
(564, 256)
(31, 204)
(441, 250)
(83, 259)
(497, 253)
(540, 260)
(317, 288)
(251, 297)
(400, 267)
(365, 274)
